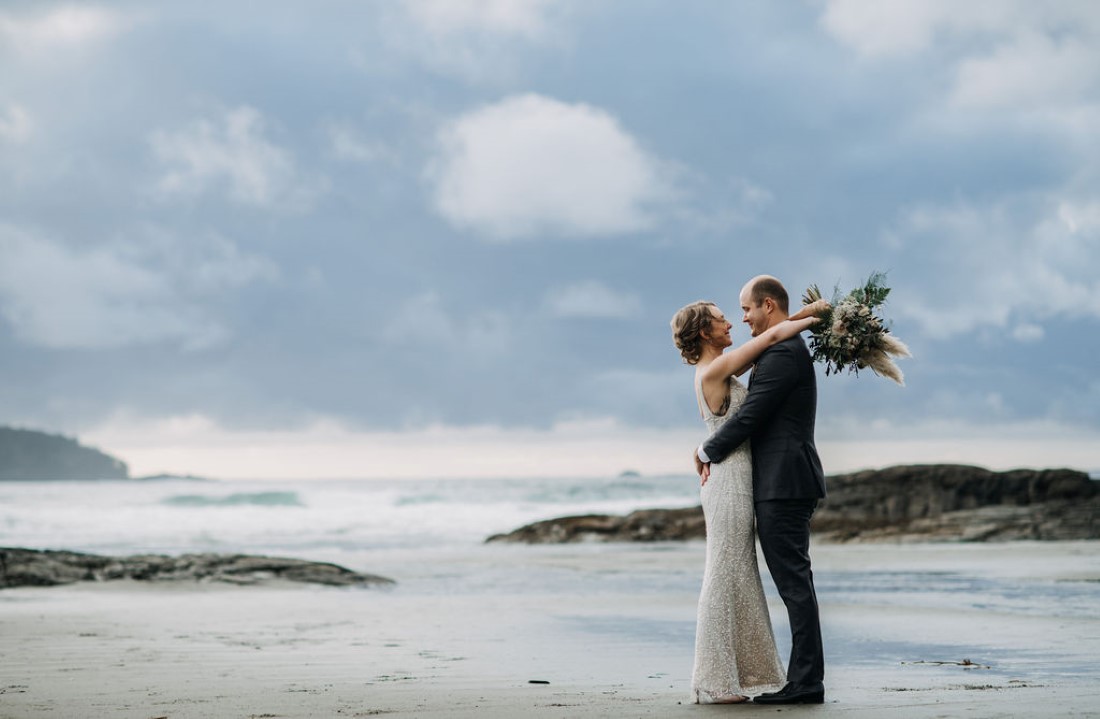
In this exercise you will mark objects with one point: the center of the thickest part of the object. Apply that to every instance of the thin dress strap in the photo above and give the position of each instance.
(704, 408)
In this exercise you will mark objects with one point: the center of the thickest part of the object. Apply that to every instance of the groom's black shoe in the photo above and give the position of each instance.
(794, 694)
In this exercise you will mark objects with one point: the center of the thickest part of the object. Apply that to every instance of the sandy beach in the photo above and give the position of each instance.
(605, 631)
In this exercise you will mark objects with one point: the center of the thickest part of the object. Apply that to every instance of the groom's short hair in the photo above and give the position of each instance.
(765, 287)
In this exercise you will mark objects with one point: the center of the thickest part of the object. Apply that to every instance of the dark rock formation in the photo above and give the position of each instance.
(955, 502)
(32, 567)
(29, 455)
(904, 503)
(645, 525)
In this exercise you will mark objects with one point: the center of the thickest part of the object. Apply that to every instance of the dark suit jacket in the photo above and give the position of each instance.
(778, 415)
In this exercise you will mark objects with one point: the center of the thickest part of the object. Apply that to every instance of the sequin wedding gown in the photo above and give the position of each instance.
(734, 645)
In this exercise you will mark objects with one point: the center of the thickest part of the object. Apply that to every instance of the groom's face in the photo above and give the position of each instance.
(755, 316)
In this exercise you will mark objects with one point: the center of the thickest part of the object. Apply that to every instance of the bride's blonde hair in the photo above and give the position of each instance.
(687, 329)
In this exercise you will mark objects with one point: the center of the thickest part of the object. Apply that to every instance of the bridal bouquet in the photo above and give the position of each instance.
(851, 336)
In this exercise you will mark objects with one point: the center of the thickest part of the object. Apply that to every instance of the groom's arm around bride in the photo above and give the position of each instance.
(778, 416)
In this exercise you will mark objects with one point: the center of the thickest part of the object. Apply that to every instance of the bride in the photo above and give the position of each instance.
(735, 653)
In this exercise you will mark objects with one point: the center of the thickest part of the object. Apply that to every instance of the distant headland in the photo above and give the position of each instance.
(28, 455)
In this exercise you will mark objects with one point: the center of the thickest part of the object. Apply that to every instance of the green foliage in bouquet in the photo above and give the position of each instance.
(851, 336)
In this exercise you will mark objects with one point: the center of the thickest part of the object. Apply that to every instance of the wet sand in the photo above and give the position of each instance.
(609, 629)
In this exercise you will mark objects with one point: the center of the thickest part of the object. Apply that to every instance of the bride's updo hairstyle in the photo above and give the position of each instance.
(687, 329)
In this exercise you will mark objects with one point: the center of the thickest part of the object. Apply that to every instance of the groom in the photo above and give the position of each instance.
(778, 415)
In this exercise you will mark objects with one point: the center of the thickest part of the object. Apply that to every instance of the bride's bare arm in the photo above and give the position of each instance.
(739, 359)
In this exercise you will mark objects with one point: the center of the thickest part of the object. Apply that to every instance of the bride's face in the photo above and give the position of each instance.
(719, 334)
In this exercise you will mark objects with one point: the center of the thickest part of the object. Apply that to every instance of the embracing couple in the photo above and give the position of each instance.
(777, 483)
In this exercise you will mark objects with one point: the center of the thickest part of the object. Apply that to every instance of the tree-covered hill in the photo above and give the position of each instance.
(30, 455)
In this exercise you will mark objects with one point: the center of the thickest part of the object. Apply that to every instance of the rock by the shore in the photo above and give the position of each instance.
(904, 503)
(956, 502)
(34, 567)
(644, 525)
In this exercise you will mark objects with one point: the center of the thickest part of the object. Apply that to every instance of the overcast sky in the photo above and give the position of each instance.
(445, 237)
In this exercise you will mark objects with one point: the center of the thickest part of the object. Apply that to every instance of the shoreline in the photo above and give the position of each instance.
(611, 628)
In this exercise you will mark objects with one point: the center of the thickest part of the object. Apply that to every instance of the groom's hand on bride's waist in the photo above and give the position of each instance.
(701, 455)
(701, 468)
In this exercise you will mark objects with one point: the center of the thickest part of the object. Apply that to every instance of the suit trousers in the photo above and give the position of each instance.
(783, 526)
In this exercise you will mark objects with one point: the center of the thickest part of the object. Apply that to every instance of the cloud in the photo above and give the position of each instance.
(198, 266)
(853, 443)
(524, 18)
(1028, 333)
(15, 125)
(349, 146)
(712, 206)
(1010, 263)
(233, 153)
(65, 26)
(1022, 57)
(596, 447)
(877, 28)
(591, 299)
(532, 166)
(58, 297)
(907, 27)
(329, 448)
(476, 41)
(485, 334)
(1030, 70)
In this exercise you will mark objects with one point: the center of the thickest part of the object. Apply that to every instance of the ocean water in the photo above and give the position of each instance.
(177, 516)
(432, 533)
(1020, 610)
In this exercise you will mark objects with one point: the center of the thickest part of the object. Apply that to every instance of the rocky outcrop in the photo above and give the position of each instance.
(904, 503)
(957, 502)
(645, 525)
(33, 567)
